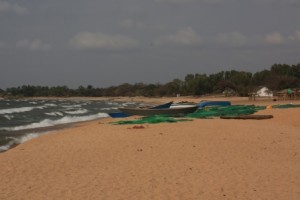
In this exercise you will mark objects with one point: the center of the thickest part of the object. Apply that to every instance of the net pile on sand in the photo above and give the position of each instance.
(208, 113)
(152, 120)
(235, 110)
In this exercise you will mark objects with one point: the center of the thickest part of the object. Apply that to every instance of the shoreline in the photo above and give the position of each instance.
(199, 159)
(44, 130)
(195, 99)
(154, 101)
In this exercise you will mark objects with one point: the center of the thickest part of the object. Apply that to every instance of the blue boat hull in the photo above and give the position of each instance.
(118, 115)
(214, 103)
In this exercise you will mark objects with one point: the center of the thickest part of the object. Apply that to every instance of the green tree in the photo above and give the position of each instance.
(281, 69)
(214, 80)
(124, 89)
(59, 91)
(296, 71)
(260, 78)
(175, 87)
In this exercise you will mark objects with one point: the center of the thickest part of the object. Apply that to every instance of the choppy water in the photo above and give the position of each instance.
(22, 120)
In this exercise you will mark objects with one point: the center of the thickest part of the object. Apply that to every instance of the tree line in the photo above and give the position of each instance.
(241, 83)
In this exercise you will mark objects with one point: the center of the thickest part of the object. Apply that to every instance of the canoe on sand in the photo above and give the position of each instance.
(257, 117)
(121, 114)
(213, 103)
(162, 111)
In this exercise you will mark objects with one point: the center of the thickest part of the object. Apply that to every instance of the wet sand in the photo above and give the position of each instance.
(199, 159)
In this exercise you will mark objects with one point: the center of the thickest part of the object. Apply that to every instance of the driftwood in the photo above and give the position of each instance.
(257, 117)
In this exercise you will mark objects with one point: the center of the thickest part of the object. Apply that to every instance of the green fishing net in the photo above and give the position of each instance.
(205, 113)
(217, 111)
(208, 112)
(152, 120)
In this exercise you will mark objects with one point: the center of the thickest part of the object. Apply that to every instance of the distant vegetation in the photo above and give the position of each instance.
(280, 76)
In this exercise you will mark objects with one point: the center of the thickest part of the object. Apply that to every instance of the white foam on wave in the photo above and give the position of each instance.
(22, 109)
(106, 108)
(16, 110)
(112, 103)
(55, 114)
(50, 105)
(72, 106)
(49, 123)
(76, 112)
(128, 103)
(9, 117)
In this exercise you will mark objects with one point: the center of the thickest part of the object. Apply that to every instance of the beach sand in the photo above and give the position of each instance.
(200, 159)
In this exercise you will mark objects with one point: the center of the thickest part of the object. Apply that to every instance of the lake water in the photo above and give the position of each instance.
(23, 119)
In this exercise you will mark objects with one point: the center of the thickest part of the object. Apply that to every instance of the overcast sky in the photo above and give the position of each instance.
(110, 42)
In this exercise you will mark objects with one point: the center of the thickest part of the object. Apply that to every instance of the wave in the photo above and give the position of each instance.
(128, 103)
(18, 140)
(112, 103)
(9, 117)
(16, 110)
(76, 112)
(50, 105)
(55, 114)
(24, 109)
(72, 106)
(49, 123)
(112, 108)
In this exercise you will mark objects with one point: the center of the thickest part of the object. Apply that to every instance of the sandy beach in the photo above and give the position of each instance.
(207, 159)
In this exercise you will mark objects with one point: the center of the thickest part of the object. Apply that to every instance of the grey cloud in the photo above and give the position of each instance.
(146, 36)
(189, 1)
(20, 10)
(274, 38)
(235, 39)
(2, 45)
(93, 41)
(295, 36)
(5, 6)
(15, 8)
(130, 23)
(174, 1)
(33, 45)
(213, 1)
(185, 37)
(279, 2)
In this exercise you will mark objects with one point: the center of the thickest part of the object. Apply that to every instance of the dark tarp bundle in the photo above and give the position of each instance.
(286, 106)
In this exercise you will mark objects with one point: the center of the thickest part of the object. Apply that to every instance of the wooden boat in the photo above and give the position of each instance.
(213, 103)
(118, 115)
(121, 114)
(165, 105)
(183, 104)
(162, 111)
